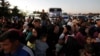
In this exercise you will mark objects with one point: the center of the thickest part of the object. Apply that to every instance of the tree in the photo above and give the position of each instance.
(15, 11)
(4, 8)
(8, 12)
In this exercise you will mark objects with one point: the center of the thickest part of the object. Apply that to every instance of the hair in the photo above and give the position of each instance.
(87, 38)
(82, 31)
(11, 34)
(69, 29)
(43, 36)
(37, 20)
(30, 25)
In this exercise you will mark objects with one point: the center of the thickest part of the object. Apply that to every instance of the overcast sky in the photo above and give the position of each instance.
(70, 6)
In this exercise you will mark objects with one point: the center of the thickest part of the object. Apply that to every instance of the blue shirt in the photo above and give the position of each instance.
(22, 50)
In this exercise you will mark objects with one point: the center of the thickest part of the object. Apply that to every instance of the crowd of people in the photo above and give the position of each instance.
(35, 37)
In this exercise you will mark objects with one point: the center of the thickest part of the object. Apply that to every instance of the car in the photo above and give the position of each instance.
(80, 17)
(65, 16)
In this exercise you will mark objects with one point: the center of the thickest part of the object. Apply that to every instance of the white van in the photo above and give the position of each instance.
(55, 12)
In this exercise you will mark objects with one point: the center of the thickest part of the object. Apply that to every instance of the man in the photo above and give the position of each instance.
(12, 46)
(44, 17)
(95, 29)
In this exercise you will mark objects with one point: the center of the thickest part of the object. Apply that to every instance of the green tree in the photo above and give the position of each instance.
(8, 12)
(15, 11)
(4, 8)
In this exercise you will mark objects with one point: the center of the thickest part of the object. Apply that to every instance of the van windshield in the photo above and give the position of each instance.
(55, 10)
(52, 10)
(59, 10)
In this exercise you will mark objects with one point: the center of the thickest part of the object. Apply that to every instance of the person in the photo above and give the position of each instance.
(96, 48)
(39, 28)
(95, 29)
(71, 46)
(96, 45)
(41, 46)
(10, 41)
(5, 27)
(29, 32)
(91, 21)
(32, 40)
(59, 21)
(43, 17)
(88, 47)
(59, 45)
(25, 25)
(53, 36)
(80, 36)
(98, 38)
(75, 25)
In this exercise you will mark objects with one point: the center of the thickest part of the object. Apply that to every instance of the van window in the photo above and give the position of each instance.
(52, 10)
(59, 10)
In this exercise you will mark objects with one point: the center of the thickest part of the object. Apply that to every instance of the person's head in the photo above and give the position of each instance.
(87, 30)
(56, 29)
(90, 20)
(43, 37)
(68, 29)
(88, 40)
(83, 31)
(34, 35)
(75, 22)
(43, 10)
(37, 23)
(30, 27)
(34, 32)
(10, 40)
(84, 24)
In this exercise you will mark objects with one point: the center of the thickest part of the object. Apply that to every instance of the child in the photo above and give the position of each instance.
(41, 46)
(59, 45)
(88, 48)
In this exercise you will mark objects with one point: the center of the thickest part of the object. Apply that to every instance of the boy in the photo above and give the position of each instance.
(41, 46)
